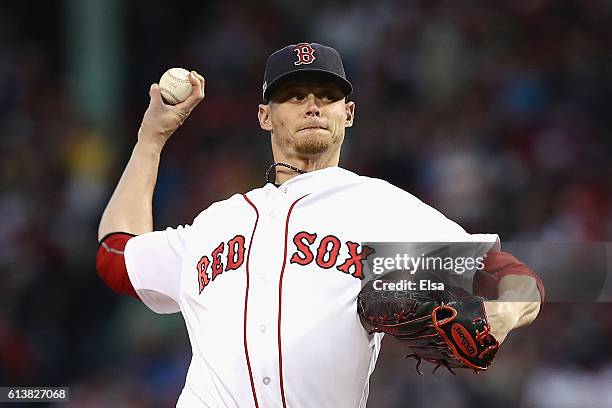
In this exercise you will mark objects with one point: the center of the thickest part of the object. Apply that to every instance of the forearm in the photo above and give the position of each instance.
(130, 207)
(522, 293)
(518, 305)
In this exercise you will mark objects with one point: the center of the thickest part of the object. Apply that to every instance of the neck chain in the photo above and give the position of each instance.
(273, 167)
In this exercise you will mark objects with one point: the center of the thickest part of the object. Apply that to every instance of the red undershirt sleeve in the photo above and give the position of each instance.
(110, 263)
(498, 264)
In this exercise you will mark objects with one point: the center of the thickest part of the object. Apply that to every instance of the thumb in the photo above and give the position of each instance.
(155, 95)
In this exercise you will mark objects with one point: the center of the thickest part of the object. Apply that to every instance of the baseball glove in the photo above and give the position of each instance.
(446, 327)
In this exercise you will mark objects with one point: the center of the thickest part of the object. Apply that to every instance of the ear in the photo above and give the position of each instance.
(264, 117)
(349, 108)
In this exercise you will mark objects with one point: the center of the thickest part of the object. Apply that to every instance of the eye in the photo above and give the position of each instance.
(296, 97)
(331, 97)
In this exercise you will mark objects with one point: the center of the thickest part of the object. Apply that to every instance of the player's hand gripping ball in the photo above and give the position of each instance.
(448, 327)
(174, 85)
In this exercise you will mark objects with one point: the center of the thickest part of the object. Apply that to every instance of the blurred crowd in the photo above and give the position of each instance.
(498, 113)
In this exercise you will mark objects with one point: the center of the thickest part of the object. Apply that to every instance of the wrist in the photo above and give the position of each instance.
(148, 149)
(153, 136)
(150, 142)
(502, 318)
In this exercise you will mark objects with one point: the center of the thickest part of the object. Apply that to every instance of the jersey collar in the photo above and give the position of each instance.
(315, 180)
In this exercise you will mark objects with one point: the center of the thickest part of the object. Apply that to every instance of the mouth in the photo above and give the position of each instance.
(313, 127)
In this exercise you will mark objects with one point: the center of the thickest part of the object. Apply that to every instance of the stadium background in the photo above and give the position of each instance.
(495, 112)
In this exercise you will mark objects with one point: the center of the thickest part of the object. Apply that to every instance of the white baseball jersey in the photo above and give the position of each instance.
(267, 283)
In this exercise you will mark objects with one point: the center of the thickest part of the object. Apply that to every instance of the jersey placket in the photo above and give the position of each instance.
(266, 262)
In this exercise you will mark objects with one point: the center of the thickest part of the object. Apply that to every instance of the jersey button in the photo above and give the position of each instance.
(262, 328)
(266, 380)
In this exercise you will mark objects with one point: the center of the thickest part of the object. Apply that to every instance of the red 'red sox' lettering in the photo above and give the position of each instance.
(235, 255)
(328, 251)
(306, 256)
(202, 276)
(325, 255)
(217, 265)
(234, 259)
(355, 259)
(324, 249)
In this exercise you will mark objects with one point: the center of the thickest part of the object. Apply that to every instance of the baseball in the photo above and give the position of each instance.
(175, 86)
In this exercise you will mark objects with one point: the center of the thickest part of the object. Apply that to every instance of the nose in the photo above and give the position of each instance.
(312, 109)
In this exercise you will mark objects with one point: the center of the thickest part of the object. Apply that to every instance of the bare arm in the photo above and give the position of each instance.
(518, 305)
(130, 207)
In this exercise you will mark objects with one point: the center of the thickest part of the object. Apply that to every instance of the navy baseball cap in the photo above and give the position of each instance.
(304, 58)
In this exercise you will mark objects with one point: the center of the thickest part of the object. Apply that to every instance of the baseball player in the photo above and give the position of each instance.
(267, 280)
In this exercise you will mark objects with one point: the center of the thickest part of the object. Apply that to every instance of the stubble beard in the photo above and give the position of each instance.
(313, 143)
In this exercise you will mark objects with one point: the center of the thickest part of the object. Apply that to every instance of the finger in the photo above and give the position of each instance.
(196, 83)
(155, 95)
(202, 82)
(196, 96)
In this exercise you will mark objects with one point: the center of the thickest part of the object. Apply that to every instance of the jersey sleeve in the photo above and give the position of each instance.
(414, 221)
(458, 244)
(153, 261)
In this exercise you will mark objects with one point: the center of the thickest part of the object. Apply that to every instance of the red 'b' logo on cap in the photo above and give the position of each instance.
(305, 54)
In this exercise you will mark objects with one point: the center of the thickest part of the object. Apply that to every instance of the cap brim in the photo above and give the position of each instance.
(344, 84)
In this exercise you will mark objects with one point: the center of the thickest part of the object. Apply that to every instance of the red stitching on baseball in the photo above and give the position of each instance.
(162, 89)
(184, 81)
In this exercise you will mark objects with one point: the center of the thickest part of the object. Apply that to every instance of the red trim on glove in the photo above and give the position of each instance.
(498, 264)
(110, 263)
